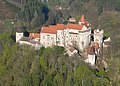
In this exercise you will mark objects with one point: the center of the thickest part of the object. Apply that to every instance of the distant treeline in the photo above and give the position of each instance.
(39, 12)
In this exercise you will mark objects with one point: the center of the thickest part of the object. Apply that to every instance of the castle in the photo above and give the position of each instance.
(74, 35)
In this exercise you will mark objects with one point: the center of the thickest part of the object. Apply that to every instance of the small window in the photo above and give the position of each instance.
(48, 37)
(43, 37)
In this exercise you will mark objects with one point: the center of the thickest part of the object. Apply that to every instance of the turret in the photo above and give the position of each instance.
(83, 21)
(98, 36)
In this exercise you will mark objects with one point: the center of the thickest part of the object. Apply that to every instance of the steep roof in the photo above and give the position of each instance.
(34, 35)
(90, 50)
(74, 26)
(84, 22)
(82, 19)
(50, 29)
(60, 26)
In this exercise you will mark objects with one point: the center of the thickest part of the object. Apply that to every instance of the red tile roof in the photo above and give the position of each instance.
(53, 28)
(82, 19)
(60, 26)
(84, 22)
(50, 29)
(90, 50)
(34, 35)
(74, 26)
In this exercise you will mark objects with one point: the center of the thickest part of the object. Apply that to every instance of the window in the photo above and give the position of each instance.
(82, 44)
(43, 37)
(48, 37)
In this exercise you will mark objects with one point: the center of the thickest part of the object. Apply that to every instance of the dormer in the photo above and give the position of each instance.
(83, 21)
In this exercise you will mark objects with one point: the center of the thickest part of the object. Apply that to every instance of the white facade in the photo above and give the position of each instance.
(91, 59)
(98, 36)
(78, 38)
(60, 38)
(77, 35)
(84, 38)
(66, 37)
(48, 39)
(19, 35)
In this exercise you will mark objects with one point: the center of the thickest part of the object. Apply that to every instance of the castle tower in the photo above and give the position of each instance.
(19, 34)
(84, 34)
(82, 20)
(98, 36)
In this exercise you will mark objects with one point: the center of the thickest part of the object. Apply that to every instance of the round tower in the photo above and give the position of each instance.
(98, 36)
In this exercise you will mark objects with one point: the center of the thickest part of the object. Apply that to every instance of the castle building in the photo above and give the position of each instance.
(75, 34)
(19, 34)
(70, 36)
(98, 36)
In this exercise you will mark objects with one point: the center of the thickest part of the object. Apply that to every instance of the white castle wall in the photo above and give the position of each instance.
(78, 38)
(60, 38)
(73, 38)
(84, 38)
(19, 35)
(48, 39)
(91, 59)
(66, 37)
(98, 36)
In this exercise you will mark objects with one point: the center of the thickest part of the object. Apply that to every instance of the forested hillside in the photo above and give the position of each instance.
(68, 8)
(23, 66)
